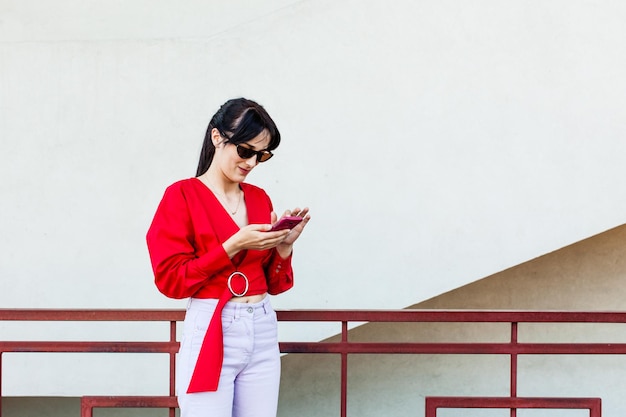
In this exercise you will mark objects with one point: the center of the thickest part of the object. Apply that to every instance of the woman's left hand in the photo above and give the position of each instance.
(286, 246)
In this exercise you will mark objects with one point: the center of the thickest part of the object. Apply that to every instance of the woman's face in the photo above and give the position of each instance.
(234, 167)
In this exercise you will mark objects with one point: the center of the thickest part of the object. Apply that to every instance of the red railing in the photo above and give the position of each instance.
(343, 347)
(87, 403)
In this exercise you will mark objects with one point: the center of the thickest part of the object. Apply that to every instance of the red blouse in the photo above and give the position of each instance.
(185, 243)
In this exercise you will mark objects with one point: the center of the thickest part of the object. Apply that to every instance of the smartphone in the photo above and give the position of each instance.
(287, 222)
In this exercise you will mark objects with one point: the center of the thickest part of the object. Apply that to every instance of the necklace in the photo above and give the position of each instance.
(223, 198)
(237, 207)
(227, 206)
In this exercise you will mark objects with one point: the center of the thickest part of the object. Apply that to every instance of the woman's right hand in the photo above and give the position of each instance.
(255, 237)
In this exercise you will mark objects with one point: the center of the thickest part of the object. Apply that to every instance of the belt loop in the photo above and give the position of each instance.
(237, 311)
(266, 305)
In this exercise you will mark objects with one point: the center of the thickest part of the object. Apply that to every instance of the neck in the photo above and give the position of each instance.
(218, 183)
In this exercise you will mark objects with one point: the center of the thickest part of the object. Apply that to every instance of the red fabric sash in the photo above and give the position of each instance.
(206, 374)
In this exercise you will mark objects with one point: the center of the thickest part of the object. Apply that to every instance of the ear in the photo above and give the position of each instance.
(216, 137)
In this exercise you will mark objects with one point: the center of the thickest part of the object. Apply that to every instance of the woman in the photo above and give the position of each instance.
(210, 240)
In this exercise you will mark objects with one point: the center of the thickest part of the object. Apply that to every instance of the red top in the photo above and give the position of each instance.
(185, 243)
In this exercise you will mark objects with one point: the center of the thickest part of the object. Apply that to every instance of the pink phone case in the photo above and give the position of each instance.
(288, 222)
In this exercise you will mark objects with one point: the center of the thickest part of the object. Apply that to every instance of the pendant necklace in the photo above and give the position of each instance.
(226, 205)
(224, 200)
(236, 208)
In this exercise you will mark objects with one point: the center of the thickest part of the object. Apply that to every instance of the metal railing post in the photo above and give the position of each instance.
(513, 366)
(344, 371)
(0, 384)
(172, 366)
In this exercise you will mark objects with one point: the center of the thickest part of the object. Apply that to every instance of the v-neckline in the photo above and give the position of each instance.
(219, 203)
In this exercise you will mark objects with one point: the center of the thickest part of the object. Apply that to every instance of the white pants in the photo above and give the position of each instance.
(250, 375)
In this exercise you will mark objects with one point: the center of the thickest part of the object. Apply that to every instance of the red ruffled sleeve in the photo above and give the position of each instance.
(179, 270)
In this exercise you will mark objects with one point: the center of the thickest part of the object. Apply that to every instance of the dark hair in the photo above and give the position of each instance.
(239, 120)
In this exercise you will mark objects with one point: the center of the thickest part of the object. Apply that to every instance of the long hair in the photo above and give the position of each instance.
(239, 120)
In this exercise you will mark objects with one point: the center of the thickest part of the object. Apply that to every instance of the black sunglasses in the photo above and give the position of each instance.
(247, 153)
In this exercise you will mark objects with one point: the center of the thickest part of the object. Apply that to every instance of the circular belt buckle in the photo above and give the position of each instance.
(230, 287)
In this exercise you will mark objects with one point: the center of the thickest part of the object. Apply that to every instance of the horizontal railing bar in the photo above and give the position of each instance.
(453, 348)
(133, 401)
(75, 347)
(90, 315)
(570, 348)
(513, 402)
(329, 347)
(486, 316)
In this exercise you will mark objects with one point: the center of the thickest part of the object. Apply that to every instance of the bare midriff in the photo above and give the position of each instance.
(249, 299)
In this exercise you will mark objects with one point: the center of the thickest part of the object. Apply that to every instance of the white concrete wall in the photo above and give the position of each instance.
(436, 142)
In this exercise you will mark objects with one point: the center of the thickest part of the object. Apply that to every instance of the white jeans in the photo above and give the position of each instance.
(250, 375)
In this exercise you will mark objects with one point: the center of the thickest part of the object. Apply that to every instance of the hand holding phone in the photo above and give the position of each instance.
(287, 222)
